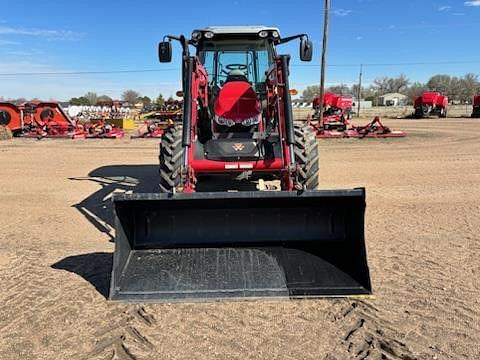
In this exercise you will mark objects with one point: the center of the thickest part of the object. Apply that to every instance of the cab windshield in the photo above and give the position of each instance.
(250, 59)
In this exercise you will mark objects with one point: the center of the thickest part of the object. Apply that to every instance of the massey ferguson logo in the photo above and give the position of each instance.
(238, 146)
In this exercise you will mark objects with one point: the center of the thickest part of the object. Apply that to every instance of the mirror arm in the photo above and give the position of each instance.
(183, 41)
(290, 38)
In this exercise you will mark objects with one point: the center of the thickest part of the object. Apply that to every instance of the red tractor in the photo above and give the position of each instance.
(476, 107)
(431, 103)
(337, 111)
(198, 240)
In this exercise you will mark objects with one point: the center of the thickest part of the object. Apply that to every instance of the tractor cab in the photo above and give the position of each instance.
(240, 64)
(237, 65)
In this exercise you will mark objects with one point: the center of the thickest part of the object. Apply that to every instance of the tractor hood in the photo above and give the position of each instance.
(237, 103)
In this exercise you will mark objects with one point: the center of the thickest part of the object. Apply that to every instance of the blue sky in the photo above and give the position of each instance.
(69, 36)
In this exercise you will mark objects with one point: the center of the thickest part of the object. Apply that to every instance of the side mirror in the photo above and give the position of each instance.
(306, 49)
(165, 51)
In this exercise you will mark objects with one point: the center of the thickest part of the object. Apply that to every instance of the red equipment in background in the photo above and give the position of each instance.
(47, 119)
(336, 121)
(431, 103)
(156, 122)
(337, 111)
(374, 129)
(100, 130)
(476, 107)
(10, 116)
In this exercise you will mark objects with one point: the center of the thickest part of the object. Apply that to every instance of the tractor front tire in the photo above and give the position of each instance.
(306, 155)
(171, 159)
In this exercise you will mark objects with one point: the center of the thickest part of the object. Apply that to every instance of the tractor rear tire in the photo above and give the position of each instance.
(171, 152)
(307, 155)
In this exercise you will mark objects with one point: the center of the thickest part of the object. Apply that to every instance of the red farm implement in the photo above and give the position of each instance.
(337, 111)
(99, 129)
(156, 122)
(38, 120)
(48, 120)
(431, 103)
(336, 122)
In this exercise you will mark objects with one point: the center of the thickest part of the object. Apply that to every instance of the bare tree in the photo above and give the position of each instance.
(130, 96)
(92, 97)
(470, 86)
(310, 92)
(384, 85)
(104, 99)
(19, 101)
(416, 89)
(340, 89)
(160, 100)
(441, 83)
(398, 84)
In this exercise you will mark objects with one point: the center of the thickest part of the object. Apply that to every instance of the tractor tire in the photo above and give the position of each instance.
(171, 152)
(306, 155)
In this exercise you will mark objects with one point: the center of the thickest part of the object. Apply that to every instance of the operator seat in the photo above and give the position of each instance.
(236, 75)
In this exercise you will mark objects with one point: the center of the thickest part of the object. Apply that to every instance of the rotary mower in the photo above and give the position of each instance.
(48, 120)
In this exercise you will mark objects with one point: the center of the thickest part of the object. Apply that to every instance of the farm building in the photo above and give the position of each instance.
(392, 99)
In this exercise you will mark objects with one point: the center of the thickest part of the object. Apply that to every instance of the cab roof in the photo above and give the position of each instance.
(245, 29)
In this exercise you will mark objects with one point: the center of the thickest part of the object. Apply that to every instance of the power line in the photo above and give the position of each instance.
(127, 71)
(392, 64)
(89, 72)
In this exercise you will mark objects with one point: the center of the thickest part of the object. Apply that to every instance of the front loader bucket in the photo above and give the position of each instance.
(216, 246)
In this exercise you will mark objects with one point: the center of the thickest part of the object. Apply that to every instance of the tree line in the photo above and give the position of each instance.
(128, 96)
(131, 97)
(458, 89)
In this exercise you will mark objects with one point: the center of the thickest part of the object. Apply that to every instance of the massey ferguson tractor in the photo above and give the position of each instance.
(337, 111)
(194, 241)
(476, 107)
(431, 103)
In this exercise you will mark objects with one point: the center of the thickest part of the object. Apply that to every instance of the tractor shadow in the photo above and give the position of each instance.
(98, 207)
(95, 268)
(98, 210)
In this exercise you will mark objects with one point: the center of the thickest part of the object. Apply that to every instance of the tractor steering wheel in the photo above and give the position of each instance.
(236, 67)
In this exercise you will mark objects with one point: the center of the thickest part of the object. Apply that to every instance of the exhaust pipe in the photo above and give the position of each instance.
(245, 245)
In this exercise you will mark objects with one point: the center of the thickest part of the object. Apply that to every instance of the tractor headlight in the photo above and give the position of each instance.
(208, 34)
(263, 34)
(275, 34)
(196, 35)
(224, 121)
(251, 121)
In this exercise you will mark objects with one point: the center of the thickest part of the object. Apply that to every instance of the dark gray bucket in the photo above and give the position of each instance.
(217, 246)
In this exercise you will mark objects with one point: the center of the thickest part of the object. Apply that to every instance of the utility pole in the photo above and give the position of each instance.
(359, 93)
(326, 13)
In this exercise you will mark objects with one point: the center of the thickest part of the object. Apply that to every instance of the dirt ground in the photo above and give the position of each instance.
(422, 233)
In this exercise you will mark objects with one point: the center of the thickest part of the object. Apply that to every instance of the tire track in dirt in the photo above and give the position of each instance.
(366, 333)
(126, 339)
